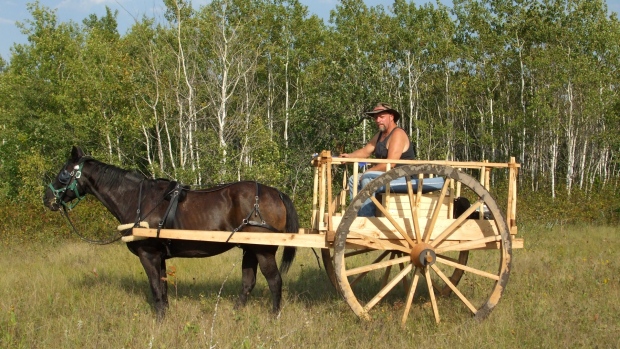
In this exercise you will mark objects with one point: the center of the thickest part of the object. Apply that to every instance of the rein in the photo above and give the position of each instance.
(77, 233)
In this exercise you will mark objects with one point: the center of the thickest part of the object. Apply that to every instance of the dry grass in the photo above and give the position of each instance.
(564, 291)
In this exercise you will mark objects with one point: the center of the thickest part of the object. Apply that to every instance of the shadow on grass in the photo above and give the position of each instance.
(306, 283)
(309, 286)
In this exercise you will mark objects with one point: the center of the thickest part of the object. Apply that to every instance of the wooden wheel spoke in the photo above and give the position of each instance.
(375, 265)
(378, 244)
(448, 258)
(431, 294)
(468, 269)
(454, 289)
(387, 271)
(452, 228)
(405, 280)
(388, 287)
(414, 211)
(431, 225)
(411, 293)
(356, 252)
(425, 222)
(416, 228)
(468, 245)
(387, 215)
(361, 276)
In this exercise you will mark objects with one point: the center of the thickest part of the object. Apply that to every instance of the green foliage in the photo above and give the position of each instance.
(599, 207)
(250, 89)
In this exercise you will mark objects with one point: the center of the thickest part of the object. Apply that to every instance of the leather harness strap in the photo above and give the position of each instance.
(255, 212)
(174, 192)
(168, 218)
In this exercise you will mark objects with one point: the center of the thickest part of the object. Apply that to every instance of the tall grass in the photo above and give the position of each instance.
(564, 291)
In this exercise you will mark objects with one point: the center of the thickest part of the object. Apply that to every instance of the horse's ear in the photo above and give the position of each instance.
(76, 154)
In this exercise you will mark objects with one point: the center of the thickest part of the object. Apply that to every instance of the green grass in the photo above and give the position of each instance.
(563, 292)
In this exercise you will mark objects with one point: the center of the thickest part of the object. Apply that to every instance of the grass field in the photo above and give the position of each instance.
(563, 292)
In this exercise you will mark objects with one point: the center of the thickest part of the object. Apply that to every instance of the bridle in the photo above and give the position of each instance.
(69, 180)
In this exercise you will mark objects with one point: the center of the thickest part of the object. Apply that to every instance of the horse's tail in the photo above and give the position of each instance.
(292, 226)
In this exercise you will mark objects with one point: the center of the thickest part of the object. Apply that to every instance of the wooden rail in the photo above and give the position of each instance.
(301, 239)
(325, 204)
(366, 232)
(374, 239)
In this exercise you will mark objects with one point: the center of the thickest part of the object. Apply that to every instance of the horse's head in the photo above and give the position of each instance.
(66, 187)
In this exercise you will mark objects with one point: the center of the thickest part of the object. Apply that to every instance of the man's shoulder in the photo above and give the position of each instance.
(399, 132)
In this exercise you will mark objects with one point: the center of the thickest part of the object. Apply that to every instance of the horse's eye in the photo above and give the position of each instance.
(64, 177)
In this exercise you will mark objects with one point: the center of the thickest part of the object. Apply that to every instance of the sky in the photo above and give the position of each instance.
(12, 11)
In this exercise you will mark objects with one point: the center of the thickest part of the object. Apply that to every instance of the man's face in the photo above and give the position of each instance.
(383, 121)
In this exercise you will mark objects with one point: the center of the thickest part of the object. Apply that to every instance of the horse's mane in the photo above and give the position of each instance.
(110, 175)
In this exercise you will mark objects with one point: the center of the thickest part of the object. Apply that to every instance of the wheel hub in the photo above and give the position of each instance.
(422, 255)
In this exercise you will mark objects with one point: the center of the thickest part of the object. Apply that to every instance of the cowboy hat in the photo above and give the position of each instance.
(384, 108)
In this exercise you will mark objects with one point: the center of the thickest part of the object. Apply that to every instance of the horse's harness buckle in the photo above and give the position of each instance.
(256, 213)
(76, 173)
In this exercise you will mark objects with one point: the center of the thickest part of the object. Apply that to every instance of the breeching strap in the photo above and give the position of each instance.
(256, 213)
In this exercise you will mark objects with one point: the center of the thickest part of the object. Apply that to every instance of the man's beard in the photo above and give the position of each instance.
(382, 128)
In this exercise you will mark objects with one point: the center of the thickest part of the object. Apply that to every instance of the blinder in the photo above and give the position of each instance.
(69, 180)
(64, 177)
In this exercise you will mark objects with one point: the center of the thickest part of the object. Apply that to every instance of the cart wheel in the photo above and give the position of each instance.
(459, 257)
(434, 249)
(328, 264)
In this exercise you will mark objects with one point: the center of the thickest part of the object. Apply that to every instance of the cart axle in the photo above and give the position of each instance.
(423, 255)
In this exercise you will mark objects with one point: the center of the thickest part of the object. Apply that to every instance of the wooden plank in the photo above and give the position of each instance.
(131, 238)
(400, 205)
(322, 198)
(468, 245)
(516, 243)
(330, 207)
(456, 164)
(513, 183)
(357, 240)
(381, 228)
(305, 238)
(254, 238)
(315, 199)
(355, 178)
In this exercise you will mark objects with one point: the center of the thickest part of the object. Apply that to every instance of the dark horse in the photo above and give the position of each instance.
(131, 197)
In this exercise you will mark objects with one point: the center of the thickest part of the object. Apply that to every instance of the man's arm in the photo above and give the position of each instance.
(364, 152)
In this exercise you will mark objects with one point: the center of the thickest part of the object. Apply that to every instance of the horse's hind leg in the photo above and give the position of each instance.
(248, 278)
(269, 268)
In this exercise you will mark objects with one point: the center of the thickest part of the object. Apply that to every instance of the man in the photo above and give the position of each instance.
(391, 142)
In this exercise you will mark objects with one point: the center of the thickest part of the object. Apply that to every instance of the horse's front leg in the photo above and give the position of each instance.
(163, 276)
(155, 267)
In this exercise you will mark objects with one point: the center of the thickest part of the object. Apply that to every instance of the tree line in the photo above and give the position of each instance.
(241, 89)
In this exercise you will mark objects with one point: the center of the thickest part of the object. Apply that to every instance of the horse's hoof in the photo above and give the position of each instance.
(161, 315)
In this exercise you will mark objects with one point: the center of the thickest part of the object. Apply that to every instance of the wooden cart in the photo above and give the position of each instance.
(464, 261)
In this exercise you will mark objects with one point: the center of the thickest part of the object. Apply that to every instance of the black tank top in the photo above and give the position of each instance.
(381, 150)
